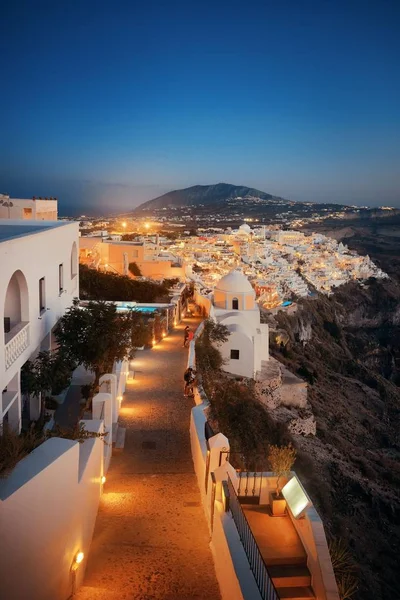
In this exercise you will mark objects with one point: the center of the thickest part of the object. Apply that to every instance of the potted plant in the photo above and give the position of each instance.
(281, 459)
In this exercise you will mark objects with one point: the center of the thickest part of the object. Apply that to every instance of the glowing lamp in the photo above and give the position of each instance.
(79, 558)
(296, 497)
(119, 398)
(103, 479)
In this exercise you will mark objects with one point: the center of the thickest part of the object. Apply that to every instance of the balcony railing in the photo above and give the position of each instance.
(16, 342)
(256, 561)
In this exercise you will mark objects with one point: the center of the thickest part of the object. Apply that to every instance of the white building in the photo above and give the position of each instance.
(38, 281)
(33, 209)
(234, 305)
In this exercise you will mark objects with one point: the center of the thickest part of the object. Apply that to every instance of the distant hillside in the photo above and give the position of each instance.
(204, 194)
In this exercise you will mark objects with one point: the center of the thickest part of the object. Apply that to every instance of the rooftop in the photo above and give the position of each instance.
(11, 229)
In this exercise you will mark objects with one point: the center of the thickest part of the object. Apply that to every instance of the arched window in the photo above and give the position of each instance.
(74, 261)
(235, 304)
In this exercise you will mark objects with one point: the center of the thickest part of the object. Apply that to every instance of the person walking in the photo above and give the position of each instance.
(187, 378)
(185, 335)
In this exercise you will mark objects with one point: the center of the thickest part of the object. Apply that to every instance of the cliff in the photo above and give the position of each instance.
(347, 347)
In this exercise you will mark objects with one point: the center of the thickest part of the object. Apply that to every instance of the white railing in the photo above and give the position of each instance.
(18, 342)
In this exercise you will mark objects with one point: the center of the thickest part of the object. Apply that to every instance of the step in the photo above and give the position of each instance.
(290, 576)
(272, 561)
(114, 432)
(295, 593)
(120, 441)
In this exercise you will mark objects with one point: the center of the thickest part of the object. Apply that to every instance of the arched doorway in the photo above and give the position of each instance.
(235, 304)
(16, 305)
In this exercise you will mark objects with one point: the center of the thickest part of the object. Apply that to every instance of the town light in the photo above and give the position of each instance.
(147, 225)
(124, 224)
(79, 558)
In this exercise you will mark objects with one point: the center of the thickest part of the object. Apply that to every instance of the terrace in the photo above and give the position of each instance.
(281, 541)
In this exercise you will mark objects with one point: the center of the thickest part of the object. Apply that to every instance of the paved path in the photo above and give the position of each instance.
(151, 540)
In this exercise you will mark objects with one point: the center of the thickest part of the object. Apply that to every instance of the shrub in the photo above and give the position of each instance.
(14, 447)
(281, 459)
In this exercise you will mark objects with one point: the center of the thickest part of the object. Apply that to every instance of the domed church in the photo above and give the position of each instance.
(234, 305)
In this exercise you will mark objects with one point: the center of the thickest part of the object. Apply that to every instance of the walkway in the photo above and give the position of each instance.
(151, 540)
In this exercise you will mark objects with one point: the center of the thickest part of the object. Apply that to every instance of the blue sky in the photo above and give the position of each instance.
(107, 104)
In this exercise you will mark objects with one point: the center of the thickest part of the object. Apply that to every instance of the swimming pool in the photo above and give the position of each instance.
(142, 309)
(287, 303)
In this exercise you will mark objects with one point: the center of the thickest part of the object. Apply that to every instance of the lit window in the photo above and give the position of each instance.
(235, 354)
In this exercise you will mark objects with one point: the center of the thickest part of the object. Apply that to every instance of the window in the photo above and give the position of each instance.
(27, 213)
(235, 304)
(61, 278)
(234, 354)
(42, 295)
(74, 261)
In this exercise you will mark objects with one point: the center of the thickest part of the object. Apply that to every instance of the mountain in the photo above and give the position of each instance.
(204, 194)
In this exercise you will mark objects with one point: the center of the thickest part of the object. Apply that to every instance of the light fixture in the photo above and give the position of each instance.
(79, 558)
(103, 479)
(119, 398)
(296, 497)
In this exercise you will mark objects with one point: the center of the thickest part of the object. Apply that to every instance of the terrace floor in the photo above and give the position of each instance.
(276, 537)
(151, 540)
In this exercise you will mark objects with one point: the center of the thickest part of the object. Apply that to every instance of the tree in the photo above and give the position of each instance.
(97, 285)
(134, 269)
(281, 459)
(95, 336)
(46, 374)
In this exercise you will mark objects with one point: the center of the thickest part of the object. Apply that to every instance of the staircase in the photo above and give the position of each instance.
(118, 436)
(292, 582)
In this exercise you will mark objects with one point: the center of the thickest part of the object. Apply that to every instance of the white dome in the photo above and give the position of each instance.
(245, 228)
(234, 282)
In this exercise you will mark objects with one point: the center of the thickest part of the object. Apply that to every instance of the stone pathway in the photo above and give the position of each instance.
(151, 540)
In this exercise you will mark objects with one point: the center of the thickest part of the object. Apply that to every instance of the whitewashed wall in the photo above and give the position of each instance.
(49, 504)
(48, 508)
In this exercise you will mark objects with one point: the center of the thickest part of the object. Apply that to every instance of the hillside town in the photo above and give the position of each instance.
(282, 265)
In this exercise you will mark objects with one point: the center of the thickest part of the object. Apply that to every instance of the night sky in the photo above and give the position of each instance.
(108, 104)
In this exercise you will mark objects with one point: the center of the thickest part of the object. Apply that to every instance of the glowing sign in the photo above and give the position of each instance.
(296, 497)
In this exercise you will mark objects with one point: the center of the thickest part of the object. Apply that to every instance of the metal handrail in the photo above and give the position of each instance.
(253, 553)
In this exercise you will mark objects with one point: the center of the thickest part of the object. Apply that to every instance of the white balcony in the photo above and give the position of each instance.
(16, 342)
